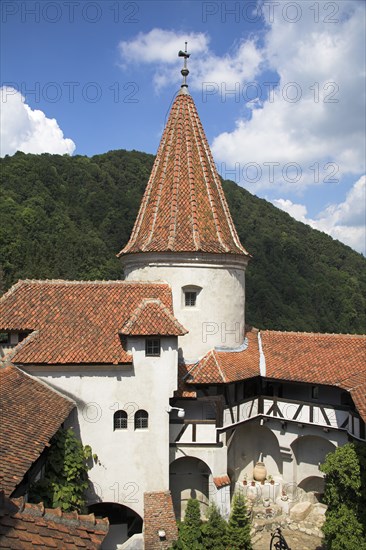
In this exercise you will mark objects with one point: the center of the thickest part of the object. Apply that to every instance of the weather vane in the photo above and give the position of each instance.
(184, 71)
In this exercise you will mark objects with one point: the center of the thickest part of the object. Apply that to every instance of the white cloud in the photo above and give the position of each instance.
(345, 221)
(160, 48)
(28, 130)
(325, 61)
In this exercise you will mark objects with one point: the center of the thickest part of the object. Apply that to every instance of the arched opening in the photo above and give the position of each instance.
(309, 452)
(314, 484)
(123, 522)
(250, 442)
(189, 478)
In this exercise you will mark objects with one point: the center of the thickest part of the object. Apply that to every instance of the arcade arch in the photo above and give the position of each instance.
(123, 522)
(189, 477)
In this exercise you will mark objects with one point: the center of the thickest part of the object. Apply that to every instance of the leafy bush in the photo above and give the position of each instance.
(344, 493)
(66, 479)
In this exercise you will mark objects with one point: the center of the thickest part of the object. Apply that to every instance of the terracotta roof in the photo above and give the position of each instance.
(184, 208)
(328, 359)
(183, 389)
(221, 481)
(331, 359)
(152, 318)
(77, 322)
(220, 367)
(31, 413)
(25, 526)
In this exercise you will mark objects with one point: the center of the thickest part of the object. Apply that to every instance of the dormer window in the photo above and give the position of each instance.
(152, 347)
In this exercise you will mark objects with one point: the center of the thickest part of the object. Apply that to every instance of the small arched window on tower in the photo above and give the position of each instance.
(141, 420)
(190, 296)
(120, 420)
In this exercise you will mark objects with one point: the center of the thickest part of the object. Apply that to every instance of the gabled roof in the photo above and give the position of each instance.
(31, 413)
(152, 318)
(331, 359)
(78, 322)
(221, 367)
(184, 208)
(25, 526)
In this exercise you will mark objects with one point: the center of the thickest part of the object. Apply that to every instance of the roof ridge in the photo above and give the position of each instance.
(106, 282)
(319, 334)
(203, 161)
(54, 514)
(214, 352)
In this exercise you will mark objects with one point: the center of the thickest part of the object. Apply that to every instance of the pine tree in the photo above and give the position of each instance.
(190, 533)
(214, 531)
(238, 530)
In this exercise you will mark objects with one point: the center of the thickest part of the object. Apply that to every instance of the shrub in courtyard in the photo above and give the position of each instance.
(238, 530)
(214, 531)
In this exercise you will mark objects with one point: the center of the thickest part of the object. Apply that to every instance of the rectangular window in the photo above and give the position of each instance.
(190, 299)
(315, 392)
(152, 347)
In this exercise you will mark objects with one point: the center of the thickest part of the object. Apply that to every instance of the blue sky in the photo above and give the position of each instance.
(279, 87)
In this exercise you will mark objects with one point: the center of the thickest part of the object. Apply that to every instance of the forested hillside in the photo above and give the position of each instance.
(67, 217)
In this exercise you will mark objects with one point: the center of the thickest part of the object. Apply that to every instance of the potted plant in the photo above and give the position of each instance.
(270, 479)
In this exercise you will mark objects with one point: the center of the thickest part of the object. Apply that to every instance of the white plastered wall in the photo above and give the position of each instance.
(291, 453)
(218, 318)
(130, 461)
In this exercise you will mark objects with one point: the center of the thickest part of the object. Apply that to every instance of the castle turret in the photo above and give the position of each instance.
(184, 234)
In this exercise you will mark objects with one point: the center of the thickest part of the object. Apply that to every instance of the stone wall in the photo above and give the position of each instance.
(159, 514)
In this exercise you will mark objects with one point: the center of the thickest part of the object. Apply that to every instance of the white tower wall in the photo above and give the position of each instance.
(218, 318)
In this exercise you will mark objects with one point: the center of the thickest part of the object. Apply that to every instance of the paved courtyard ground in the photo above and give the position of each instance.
(296, 541)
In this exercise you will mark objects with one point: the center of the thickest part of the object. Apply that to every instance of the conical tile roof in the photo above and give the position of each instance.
(184, 208)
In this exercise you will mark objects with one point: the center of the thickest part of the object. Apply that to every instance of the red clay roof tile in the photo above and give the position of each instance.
(221, 481)
(331, 359)
(152, 318)
(220, 367)
(184, 208)
(31, 413)
(79, 322)
(48, 530)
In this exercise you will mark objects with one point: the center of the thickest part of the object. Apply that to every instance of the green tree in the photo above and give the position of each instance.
(238, 530)
(190, 533)
(342, 477)
(66, 474)
(342, 530)
(344, 527)
(214, 530)
(67, 217)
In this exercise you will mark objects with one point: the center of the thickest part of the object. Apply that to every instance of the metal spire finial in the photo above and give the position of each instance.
(184, 71)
